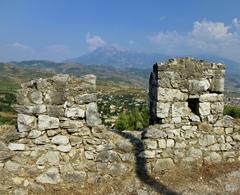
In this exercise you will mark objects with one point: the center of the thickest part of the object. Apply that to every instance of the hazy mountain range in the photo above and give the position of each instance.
(122, 66)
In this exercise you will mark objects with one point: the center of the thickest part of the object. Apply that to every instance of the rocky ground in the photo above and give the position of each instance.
(211, 179)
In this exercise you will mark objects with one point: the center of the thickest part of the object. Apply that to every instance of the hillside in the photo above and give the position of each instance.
(111, 75)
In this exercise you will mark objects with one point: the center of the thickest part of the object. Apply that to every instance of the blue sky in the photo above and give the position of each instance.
(61, 29)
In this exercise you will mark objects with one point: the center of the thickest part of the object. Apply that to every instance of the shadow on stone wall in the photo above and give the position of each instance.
(141, 167)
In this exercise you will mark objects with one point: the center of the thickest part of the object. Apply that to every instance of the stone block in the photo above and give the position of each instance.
(163, 164)
(51, 176)
(36, 97)
(170, 143)
(47, 122)
(16, 146)
(180, 109)
(204, 108)
(198, 86)
(163, 110)
(92, 115)
(150, 144)
(30, 109)
(60, 140)
(75, 113)
(26, 122)
(85, 98)
(217, 107)
(211, 97)
(217, 85)
(162, 143)
(167, 95)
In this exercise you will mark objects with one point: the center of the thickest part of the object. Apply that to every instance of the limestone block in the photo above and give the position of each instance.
(75, 112)
(228, 121)
(168, 79)
(155, 133)
(92, 115)
(85, 98)
(162, 143)
(55, 110)
(55, 97)
(180, 109)
(211, 97)
(150, 144)
(207, 140)
(26, 122)
(51, 176)
(47, 122)
(71, 124)
(51, 157)
(217, 85)
(204, 108)
(42, 140)
(176, 120)
(166, 94)
(148, 154)
(163, 164)
(217, 107)
(198, 86)
(16, 146)
(64, 148)
(218, 130)
(34, 134)
(194, 117)
(36, 97)
(33, 109)
(228, 130)
(163, 110)
(60, 140)
(170, 143)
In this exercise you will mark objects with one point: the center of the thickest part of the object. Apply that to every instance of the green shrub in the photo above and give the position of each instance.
(233, 111)
(133, 120)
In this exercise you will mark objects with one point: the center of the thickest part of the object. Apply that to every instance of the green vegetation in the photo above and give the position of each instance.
(133, 120)
(7, 114)
(233, 111)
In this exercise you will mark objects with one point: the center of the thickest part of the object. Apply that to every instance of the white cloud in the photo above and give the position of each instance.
(207, 29)
(206, 37)
(19, 46)
(94, 41)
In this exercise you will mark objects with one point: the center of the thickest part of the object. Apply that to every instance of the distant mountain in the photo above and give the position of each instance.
(126, 67)
(111, 56)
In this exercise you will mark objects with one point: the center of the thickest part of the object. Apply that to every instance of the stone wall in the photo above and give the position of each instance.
(186, 90)
(186, 106)
(60, 139)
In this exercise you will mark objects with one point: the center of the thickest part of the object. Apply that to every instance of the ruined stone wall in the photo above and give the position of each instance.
(186, 106)
(186, 90)
(60, 139)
